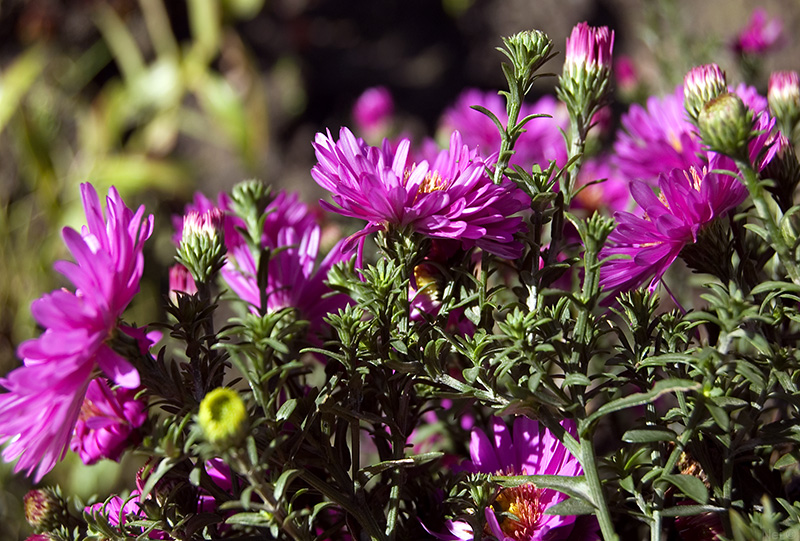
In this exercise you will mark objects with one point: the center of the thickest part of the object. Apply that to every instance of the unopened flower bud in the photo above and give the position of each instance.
(701, 85)
(783, 96)
(783, 169)
(527, 51)
(585, 81)
(202, 249)
(222, 417)
(180, 281)
(725, 125)
(45, 509)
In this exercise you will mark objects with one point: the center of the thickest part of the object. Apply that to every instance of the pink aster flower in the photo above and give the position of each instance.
(760, 36)
(45, 395)
(529, 450)
(689, 200)
(541, 143)
(107, 422)
(118, 511)
(608, 196)
(373, 110)
(294, 279)
(656, 138)
(450, 198)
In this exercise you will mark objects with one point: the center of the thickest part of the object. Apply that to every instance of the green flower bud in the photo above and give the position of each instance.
(725, 123)
(45, 509)
(528, 51)
(222, 417)
(202, 249)
(701, 85)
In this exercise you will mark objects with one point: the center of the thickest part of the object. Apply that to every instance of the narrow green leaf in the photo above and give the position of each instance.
(647, 435)
(286, 410)
(637, 399)
(570, 507)
(249, 519)
(283, 482)
(688, 510)
(689, 485)
(576, 486)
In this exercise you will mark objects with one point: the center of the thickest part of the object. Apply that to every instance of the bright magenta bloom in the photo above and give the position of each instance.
(689, 200)
(761, 34)
(294, 278)
(107, 422)
(656, 138)
(451, 197)
(373, 110)
(589, 48)
(529, 450)
(45, 395)
(542, 141)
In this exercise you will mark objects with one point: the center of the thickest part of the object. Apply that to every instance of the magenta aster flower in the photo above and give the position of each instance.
(294, 278)
(450, 198)
(529, 450)
(45, 395)
(689, 200)
(542, 141)
(373, 110)
(107, 422)
(760, 36)
(608, 196)
(656, 138)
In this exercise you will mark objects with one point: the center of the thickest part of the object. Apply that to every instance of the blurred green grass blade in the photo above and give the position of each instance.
(123, 46)
(16, 80)
(159, 28)
(133, 172)
(204, 19)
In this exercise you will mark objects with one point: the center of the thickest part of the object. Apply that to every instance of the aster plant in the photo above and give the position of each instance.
(527, 334)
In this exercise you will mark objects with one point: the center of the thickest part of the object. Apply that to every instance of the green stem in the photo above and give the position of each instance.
(779, 241)
(589, 463)
(507, 145)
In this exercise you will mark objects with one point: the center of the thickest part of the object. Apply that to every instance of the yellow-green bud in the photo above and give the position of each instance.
(725, 125)
(45, 509)
(222, 417)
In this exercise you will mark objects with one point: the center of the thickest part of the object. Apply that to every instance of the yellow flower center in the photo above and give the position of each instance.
(523, 502)
(432, 182)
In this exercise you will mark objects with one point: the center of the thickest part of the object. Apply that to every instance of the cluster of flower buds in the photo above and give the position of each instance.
(528, 51)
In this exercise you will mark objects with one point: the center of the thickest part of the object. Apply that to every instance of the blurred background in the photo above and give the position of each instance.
(162, 98)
